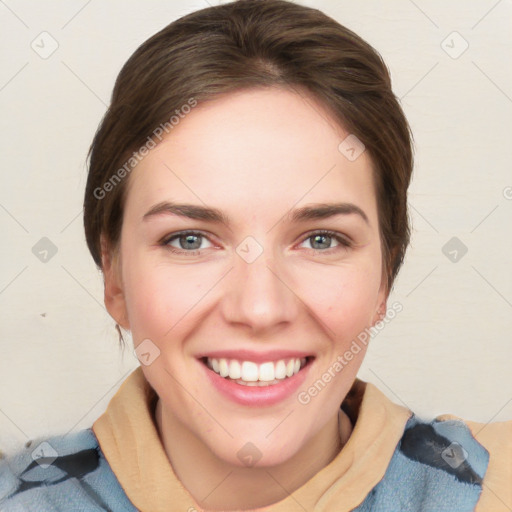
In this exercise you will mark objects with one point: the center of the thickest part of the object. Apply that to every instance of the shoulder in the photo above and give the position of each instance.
(446, 464)
(60, 472)
(496, 438)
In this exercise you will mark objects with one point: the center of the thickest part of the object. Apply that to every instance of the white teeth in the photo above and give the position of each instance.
(280, 370)
(223, 368)
(290, 368)
(250, 373)
(267, 372)
(235, 371)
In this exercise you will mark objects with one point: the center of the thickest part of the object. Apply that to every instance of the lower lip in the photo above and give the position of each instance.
(257, 396)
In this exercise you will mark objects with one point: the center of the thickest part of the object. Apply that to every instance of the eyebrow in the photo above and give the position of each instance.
(214, 215)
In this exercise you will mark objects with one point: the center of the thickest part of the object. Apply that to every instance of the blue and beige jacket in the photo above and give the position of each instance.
(392, 462)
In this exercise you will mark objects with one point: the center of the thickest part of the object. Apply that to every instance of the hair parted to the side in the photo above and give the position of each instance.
(241, 45)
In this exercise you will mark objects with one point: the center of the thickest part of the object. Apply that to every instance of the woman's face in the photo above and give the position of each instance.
(251, 284)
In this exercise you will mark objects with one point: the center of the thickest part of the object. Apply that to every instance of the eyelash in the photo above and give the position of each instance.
(344, 242)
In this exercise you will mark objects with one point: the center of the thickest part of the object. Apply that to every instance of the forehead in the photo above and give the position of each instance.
(257, 148)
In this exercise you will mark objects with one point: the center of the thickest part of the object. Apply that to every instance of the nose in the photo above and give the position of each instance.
(259, 295)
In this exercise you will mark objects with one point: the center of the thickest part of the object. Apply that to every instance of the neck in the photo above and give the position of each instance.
(217, 485)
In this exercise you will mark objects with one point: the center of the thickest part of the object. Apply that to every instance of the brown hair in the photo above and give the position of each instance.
(241, 45)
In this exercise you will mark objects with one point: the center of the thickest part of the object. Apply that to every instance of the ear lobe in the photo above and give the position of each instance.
(113, 292)
(380, 313)
(382, 299)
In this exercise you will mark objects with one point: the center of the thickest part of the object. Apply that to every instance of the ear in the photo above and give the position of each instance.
(114, 294)
(381, 303)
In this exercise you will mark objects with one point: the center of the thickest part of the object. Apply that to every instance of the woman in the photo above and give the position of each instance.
(247, 205)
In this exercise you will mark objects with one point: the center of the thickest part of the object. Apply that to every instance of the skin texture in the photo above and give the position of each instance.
(256, 155)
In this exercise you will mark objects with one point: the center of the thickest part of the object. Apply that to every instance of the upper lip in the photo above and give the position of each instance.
(257, 357)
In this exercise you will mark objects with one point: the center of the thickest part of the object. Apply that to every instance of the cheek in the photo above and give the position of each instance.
(343, 297)
(159, 295)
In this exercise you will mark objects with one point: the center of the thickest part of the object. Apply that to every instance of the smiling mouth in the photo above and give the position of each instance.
(249, 373)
